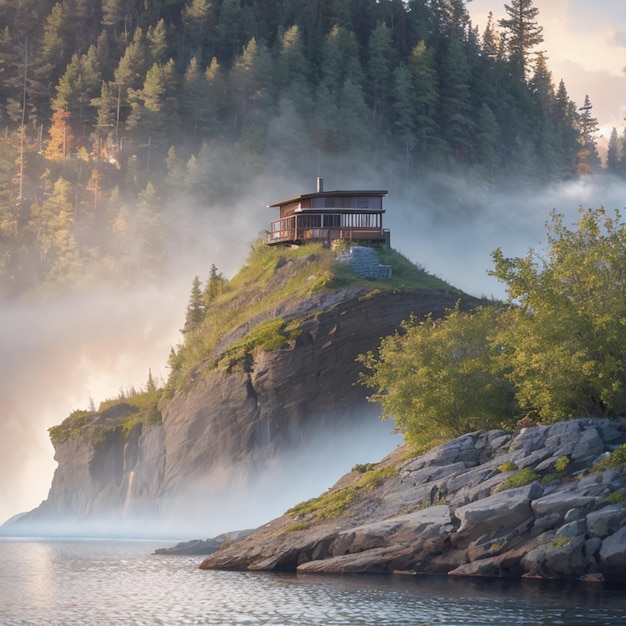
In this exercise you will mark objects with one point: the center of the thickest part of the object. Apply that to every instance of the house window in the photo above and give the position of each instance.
(309, 221)
(332, 221)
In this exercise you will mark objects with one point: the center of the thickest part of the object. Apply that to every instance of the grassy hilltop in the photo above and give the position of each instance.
(227, 320)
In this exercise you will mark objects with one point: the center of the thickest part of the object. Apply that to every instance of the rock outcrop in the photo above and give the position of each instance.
(486, 504)
(226, 427)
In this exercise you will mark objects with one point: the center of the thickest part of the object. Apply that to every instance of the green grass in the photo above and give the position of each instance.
(613, 460)
(509, 466)
(333, 504)
(138, 408)
(559, 542)
(271, 334)
(271, 277)
(615, 497)
(519, 479)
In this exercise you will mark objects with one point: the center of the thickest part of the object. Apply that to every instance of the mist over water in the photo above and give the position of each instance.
(57, 354)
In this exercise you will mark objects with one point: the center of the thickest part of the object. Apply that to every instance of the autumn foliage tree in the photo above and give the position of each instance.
(61, 142)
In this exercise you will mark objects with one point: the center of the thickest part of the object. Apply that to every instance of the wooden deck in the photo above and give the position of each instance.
(300, 229)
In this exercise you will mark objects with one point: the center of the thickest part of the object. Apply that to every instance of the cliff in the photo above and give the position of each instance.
(237, 414)
(546, 502)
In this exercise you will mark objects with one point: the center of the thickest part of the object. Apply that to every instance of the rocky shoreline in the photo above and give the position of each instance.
(533, 503)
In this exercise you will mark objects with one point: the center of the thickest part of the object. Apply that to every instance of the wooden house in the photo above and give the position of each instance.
(327, 216)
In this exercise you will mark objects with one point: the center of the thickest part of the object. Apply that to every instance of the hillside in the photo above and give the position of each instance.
(265, 373)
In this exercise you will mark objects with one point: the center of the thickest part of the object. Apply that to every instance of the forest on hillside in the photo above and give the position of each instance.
(114, 114)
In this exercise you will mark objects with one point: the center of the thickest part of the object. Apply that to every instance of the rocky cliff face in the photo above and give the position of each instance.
(223, 431)
(487, 504)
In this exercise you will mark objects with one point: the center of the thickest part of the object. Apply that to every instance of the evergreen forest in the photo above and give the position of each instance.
(118, 115)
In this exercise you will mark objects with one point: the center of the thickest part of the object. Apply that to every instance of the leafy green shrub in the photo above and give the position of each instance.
(564, 337)
(523, 477)
(559, 542)
(509, 466)
(560, 473)
(617, 497)
(376, 477)
(363, 467)
(614, 459)
(561, 463)
(268, 335)
(439, 379)
(71, 426)
(121, 415)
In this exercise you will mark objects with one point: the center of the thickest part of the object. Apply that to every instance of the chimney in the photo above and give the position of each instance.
(320, 184)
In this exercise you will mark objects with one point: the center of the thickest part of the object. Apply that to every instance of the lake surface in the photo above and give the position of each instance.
(60, 582)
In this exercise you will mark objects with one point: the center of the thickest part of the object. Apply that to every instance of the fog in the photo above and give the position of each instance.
(240, 497)
(58, 353)
(453, 233)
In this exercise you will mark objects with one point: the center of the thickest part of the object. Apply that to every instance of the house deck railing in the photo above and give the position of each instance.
(300, 229)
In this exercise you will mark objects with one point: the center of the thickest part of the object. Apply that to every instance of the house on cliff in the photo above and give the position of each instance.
(327, 216)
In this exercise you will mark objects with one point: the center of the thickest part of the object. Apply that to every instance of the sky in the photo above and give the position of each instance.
(585, 42)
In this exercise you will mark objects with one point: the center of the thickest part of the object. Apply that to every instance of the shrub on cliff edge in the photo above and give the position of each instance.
(556, 351)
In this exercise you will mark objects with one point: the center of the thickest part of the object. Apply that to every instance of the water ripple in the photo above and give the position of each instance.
(111, 583)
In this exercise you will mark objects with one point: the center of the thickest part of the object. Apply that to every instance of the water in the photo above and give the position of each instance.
(111, 583)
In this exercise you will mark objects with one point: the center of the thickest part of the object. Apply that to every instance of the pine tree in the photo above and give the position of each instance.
(455, 115)
(229, 32)
(425, 96)
(486, 142)
(380, 60)
(199, 23)
(77, 89)
(107, 117)
(353, 119)
(55, 44)
(404, 110)
(154, 116)
(53, 227)
(613, 152)
(198, 105)
(491, 40)
(151, 386)
(250, 81)
(156, 37)
(61, 142)
(542, 87)
(291, 65)
(566, 122)
(622, 154)
(196, 308)
(340, 59)
(214, 286)
(588, 159)
(522, 33)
